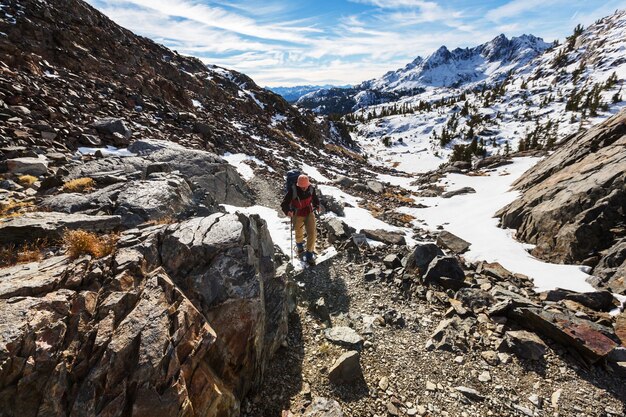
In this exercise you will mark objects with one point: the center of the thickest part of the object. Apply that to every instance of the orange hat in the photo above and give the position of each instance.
(303, 181)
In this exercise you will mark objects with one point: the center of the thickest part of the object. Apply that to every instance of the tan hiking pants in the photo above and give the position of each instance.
(308, 222)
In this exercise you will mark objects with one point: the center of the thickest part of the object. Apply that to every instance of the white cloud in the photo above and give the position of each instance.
(517, 7)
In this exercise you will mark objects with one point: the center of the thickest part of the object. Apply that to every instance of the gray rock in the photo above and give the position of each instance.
(452, 242)
(320, 309)
(572, 199)
(422, 256)
(29, 166)
(392, 261)
(598, 300)
(323, 407)
(344, 181)
(343, 335)
(446, 271)
(372, 274)
(112, 125)
(525, 344)
(332, 204)
(470, 393)
(375, 186)
(451, 335)
(51, 225)
(338, 230)
(141, 201)
(460, 191)
(475, 299)
(385, 236)
(346, 369)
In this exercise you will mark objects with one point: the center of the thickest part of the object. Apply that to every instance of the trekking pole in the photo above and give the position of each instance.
(291, 233)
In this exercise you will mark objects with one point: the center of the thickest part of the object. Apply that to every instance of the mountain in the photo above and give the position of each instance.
(528, 98)
(102, 70)
(292, 94)
(487, 63)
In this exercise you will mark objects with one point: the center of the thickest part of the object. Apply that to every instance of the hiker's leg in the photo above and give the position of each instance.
(311, 232)
(299, 227)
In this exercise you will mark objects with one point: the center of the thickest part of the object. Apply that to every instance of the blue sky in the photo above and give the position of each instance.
(280, 42)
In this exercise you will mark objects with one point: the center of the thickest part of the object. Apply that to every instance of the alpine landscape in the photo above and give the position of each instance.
(471, 235)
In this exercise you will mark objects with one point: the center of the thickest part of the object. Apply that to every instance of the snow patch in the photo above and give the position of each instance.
(108, 151)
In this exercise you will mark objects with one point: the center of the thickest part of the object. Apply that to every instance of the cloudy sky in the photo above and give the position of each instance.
(295, 42)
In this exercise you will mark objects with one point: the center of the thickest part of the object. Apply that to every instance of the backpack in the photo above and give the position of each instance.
(292, 179)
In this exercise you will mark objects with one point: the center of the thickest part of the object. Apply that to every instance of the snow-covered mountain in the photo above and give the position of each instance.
(486, 63)
(506, 95)
(292, 94)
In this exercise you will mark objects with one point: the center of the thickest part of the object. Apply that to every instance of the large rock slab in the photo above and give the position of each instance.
(338, 230)
(589, 339)
(27, 165)
(183, 321)
(446, 271)
(452, 242)
(385, 236)
(206, 171)
(51, 225)
(343, 335)
(572, 200)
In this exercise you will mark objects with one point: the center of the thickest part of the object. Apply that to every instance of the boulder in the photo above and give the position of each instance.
(140, 201)
(28, 166)
(344, 181)
(589, 339)
(598, 300)
(392, 261)
(183, 321)
(343, 335)
(610, 272)
(452, 242)
(460, 191)
(332, 204)
(385, 236)
(422, 256)
(572, 200)
(474, 299)
(375, 186)
(51, 225)
(207, 172)
(525, 344)
(346, 369)
(337, 230)
(110, 126)
(445, 269)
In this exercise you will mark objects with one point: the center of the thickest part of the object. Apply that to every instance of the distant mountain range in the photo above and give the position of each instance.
(292, 94)
(461, 67)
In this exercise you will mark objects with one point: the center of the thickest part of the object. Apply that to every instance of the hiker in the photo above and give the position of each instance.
(300, 203)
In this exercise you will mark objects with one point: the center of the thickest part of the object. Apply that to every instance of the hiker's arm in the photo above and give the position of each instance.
(285, 205)
(315, 200)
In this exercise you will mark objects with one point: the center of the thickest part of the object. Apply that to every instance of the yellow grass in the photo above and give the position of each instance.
(27, 180)
(14, 208)
(80, 242)
(162, 220)
(79, 185)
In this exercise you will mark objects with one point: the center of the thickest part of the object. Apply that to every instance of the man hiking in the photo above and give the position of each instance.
(299, 203)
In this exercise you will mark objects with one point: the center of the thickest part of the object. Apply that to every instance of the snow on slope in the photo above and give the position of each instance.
(535, 98)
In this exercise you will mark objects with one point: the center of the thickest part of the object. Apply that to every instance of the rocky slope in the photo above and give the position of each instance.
(64, 68)
(573, 203)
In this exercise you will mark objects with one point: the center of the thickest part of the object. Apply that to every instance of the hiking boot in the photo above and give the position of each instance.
(300, 248)
(308, 257)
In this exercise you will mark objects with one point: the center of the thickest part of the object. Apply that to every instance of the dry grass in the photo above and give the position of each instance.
(12, 255)
(405, 218)
(27, 180)
(14, 208)
(80, 242)
(343, 151)
(397, 197)
(162, 220)
(79, 185)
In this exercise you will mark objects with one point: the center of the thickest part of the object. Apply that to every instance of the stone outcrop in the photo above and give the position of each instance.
(50, 225)
(573, 203)
(181, 320)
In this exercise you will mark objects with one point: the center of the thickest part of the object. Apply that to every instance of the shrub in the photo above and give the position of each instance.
(79, 185)
(11, 254)
(27, 180)
(81, 242)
